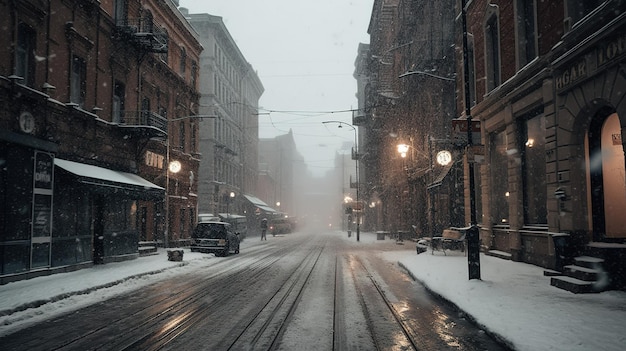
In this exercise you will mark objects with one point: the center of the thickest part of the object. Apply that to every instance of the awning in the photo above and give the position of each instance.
(441, 176)
(260, 204)
(99, 176)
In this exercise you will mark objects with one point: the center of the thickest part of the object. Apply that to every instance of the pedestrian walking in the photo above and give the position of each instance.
(263, 228)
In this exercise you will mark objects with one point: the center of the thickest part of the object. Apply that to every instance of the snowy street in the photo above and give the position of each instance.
(513, 300)
(297, 291)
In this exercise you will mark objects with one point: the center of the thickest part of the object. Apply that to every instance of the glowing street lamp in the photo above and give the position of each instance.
(356, 165)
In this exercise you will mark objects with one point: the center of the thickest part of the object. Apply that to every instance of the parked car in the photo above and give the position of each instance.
(239, 223)
(215, 237)
(208, 217)
(280, 226)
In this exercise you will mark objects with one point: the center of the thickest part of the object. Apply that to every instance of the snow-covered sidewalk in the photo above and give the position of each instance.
(513, 300)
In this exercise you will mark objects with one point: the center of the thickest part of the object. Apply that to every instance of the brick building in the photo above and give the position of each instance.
(92, 93)
(406, 97)
(545, 85)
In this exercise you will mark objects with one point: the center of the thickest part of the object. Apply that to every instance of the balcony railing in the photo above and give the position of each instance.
(143, 119)
(144, 32)
(359, 118)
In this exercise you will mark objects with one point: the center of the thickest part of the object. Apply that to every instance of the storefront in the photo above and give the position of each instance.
(554, 151)
(59, 215)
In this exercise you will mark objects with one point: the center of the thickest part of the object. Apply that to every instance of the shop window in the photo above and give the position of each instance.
(78, 81)
(25, 54)
(499, 168)
(526, 32)
(532, 132)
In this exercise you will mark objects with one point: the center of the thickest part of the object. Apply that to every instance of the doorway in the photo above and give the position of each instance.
(607, 180)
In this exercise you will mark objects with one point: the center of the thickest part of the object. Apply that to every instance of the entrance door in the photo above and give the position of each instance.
(608, 180)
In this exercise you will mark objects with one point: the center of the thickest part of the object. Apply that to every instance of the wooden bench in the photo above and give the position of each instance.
(450, 239)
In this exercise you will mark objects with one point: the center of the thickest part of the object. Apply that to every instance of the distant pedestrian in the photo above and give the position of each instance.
(263, 228)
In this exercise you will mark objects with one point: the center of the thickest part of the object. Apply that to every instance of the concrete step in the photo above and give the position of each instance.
(588, 262)
(574, 285)
(147, 250)
(499, 254)
(582, 273)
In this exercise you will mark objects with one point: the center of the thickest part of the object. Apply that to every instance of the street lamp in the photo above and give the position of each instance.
(173, 167)
(356, 166)
(230, 197)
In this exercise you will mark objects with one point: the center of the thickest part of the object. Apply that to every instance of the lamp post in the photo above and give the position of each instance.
(473, 242)
(356, 166)
(173, 167)
(231, 196)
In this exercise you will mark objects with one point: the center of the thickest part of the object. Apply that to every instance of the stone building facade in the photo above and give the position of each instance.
(230, 91)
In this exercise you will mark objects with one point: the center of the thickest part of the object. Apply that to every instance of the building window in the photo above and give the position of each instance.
(193, 137)
(78, 81)
(145, 111)
(120, 12)
(119, 93)
(532, 131)
(499, 168)
(577, 10)
(181, 135)
(492, 52)
(183, 60)
(471, 65)
(183, 225)
(526, 32)
(194, 73)
(192, 218)
(25, 54)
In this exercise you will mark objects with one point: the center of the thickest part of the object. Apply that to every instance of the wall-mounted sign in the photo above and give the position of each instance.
(27, 122)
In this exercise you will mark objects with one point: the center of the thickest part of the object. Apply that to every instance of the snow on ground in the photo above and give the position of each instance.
(513, 300)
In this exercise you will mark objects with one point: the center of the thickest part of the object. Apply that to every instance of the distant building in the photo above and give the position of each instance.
(285, 165)
(230, 90)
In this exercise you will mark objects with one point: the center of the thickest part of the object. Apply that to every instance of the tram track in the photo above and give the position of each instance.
(370, 293)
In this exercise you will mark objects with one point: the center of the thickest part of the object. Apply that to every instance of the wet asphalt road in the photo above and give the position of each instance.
(308, 290)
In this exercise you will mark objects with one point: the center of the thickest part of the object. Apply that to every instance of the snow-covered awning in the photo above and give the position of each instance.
(99, 176)
(441, 176)
(260, 204)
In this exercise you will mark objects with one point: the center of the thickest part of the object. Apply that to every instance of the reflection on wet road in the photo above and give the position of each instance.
(315, 291)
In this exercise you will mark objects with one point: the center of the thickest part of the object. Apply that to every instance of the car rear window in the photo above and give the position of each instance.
(210, 231)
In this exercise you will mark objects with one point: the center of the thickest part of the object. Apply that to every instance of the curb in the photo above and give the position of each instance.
(39, 303)
(497, 337)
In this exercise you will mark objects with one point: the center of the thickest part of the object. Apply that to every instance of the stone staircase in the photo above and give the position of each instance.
(601, 268)
(147, 248)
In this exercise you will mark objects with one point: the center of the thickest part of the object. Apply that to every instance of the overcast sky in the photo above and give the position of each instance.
(304, 53)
